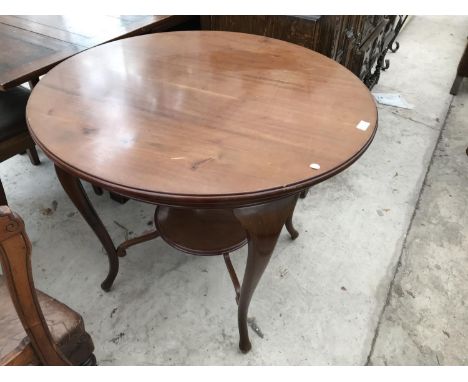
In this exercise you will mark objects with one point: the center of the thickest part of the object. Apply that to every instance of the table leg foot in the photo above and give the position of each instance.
(244, 345)
(292, 231)
(106, 285)
(289, 223)
(77, 194)
(263, 224)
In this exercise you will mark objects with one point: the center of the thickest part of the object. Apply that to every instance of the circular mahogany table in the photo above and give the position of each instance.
(222, 131)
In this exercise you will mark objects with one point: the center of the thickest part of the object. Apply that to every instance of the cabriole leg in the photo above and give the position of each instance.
(263, 224)
(290, 227)
(76, 193)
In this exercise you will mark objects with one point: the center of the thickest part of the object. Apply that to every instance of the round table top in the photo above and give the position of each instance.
(202, 117)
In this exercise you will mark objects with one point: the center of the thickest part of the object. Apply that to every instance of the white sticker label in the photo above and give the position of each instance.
(315, 166)
(363, 125)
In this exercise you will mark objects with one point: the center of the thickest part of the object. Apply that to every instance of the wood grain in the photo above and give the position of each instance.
(201, 117)
(358, 42)
(31, 45)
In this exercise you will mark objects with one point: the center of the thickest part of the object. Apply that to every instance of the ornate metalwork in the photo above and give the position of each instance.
(393, 50)
(401, 21)
(382, 63)
(387, 64)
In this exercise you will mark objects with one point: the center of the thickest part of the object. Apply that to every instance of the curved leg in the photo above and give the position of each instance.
(263, 224)
(304, 193)
(76, 193)
(292, 231)
(289, 223)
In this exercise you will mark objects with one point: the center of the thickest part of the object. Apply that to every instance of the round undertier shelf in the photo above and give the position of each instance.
(200, 231)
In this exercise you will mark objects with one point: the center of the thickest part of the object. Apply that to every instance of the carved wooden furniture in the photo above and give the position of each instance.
(462, 72)
(222, 131)
(35, 329)
(360, 43)
(14, 135)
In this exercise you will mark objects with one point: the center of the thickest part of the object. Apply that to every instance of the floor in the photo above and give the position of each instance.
(377, 275)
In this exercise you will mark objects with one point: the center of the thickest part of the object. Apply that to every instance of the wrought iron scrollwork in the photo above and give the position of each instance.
(387, 64)
(392, 49)
(401, 21)
(382, 63)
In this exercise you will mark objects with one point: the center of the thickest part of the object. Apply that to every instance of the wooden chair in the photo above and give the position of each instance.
(14, 135)
(35, 329)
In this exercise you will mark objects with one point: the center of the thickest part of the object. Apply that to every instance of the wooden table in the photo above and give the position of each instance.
(222, 131)
(31, 45)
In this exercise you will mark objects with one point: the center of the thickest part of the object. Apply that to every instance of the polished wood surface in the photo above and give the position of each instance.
(263, 224)
(200, 231)
(201, 117)
(31, 45)
(358, 42)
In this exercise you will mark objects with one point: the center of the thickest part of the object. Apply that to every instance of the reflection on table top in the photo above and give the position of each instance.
(31, 45)
(202, 115)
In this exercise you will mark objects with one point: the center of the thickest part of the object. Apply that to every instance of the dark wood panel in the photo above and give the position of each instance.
(313, 32)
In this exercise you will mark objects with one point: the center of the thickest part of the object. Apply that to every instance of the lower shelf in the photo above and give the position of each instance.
(203, 232)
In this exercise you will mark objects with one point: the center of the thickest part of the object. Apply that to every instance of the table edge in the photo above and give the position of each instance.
(205, 201)
(212, 200)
